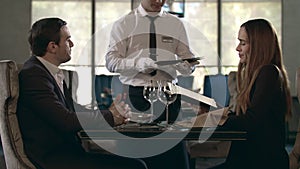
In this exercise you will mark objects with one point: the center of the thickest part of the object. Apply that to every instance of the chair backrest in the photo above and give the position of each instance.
(294, 155)
(106, 88)
(297, 81)
(15, 157)
(216, 87)
(232, 88)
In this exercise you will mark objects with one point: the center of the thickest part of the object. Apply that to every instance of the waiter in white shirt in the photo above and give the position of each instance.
(130, 52)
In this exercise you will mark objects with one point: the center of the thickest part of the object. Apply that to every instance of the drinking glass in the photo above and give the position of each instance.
(165, 96)
(150, 94)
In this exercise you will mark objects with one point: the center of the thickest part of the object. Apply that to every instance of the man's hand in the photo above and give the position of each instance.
(120, 110)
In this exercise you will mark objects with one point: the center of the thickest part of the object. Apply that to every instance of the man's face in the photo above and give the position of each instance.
(153, 5)
(64, 46)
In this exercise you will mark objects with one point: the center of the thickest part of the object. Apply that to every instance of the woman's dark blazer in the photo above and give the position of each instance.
(264, 122)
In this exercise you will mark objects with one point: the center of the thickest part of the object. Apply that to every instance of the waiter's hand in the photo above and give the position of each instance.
(119, 110)
(185, 67)
(145, 65)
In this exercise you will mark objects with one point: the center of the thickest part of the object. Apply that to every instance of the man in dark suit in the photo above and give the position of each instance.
(46, 112)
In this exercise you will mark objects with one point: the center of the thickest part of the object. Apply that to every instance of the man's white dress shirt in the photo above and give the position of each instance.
(55, 72)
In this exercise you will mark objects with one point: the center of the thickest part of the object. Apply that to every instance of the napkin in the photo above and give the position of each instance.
(209, 119)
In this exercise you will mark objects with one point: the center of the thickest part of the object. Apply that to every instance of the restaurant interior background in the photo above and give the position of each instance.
(212, 27)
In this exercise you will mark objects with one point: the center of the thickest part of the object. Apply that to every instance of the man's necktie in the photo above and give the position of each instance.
(68, 98)
(152, 46)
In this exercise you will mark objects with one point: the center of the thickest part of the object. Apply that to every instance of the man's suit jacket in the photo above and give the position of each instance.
(46, 116)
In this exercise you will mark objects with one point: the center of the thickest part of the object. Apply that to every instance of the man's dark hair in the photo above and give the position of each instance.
(42, 32)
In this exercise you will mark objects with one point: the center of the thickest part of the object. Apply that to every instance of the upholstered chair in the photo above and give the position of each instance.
(295, 153)
(15, 157)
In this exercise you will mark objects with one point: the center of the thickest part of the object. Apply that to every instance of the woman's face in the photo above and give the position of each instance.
(243, 47)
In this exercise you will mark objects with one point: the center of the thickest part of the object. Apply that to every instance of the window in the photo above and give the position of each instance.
(211, 36)
(234, 13)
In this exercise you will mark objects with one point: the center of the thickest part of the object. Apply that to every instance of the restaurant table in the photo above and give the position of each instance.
(146, 132)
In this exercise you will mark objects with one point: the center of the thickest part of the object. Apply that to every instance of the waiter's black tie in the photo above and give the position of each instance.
(152, 38)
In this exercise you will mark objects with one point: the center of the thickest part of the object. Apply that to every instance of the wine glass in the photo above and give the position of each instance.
(165, 96)
(150, 94)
